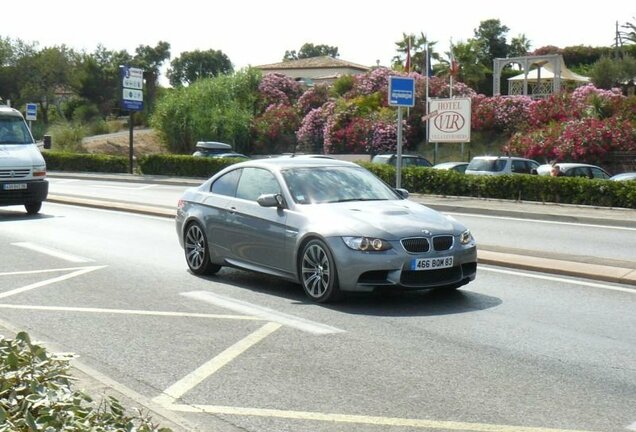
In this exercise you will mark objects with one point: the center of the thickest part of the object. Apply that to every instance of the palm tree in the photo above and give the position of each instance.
(418, 48)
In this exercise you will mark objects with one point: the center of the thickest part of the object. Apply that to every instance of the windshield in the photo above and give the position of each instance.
(494, 165)
(335, 184)
(13, 130)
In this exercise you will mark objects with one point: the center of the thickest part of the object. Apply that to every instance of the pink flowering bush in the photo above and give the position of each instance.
(311, 134)
(587, 140)
(274, 130)
(277, 88)
(506, 114)
(313, 98)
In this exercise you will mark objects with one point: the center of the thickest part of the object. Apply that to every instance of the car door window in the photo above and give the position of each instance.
(255, 182)
(518, 167)
(226, 185)
(598, 173)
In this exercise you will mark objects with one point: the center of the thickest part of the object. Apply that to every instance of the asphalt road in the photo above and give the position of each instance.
(569, 240)
(239, 351)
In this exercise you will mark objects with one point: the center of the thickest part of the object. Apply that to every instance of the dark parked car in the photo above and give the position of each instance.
(571, 169)
(217, 150)
(407, 160)
(460, 167)
(329, 225)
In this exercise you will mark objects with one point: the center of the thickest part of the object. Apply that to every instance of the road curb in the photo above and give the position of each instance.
(597, 272)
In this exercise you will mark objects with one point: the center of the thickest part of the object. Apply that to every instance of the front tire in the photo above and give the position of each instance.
(318, 274)
(195, 245)
(33, 208)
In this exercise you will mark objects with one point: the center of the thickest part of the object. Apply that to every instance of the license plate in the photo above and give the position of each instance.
(14, 186)
(431, 263)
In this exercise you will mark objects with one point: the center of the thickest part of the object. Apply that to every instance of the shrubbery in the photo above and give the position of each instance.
(36, 394)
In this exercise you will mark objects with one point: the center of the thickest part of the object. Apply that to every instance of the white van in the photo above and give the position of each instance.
(22, 167)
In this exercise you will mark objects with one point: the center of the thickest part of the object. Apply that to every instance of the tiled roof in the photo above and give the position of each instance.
(314, 63)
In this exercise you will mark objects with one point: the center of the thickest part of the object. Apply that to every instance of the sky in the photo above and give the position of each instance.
(257, 32)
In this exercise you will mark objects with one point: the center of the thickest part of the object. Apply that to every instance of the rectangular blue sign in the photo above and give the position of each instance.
(131, 80)
(401, 91)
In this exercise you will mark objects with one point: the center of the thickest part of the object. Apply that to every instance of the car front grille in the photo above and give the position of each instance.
(442, 243)
(14, 173)
(416, 244)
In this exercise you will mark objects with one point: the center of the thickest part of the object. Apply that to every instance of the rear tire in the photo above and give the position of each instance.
(33, 208)
(195, 246)
(318, 274)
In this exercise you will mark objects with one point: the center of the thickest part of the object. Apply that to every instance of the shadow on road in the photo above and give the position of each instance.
(380, 303)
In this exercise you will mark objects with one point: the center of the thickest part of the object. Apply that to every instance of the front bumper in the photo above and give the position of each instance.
(365, 271)
(23, 192)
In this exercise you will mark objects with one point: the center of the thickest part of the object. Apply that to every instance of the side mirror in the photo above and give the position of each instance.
(47, 141)
(271, 200)
(402, 192)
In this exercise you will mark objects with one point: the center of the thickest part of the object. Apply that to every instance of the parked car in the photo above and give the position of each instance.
(216, 150)
(624, 176)
(407, 160)
(330, 225)
(571, 169)
(500, 165)
(460, 167)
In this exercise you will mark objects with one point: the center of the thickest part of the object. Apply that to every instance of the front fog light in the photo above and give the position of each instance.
(466, 237)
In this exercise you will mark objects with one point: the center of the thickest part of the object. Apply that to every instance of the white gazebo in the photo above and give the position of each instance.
(541, 76)
(540, 81)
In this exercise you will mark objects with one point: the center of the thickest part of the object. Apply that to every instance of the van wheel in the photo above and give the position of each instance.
(33, 208)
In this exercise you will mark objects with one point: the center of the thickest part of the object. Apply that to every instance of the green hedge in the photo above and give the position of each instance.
(183, 165)
(565, 190)
(78, 162)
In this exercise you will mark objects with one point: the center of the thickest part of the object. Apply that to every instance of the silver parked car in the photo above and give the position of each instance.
(501, 165)
(329, 225)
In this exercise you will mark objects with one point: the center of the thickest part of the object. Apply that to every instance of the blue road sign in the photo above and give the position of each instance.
(31, 111)
(132, 88)
(401, 91)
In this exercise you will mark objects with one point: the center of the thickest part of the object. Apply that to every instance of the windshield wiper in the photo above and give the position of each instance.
(358, 199)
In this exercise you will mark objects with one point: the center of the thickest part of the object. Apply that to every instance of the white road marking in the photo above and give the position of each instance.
(26, 272)
(362, 419)
(631, 427)
(542, 221)
(263, 312)
(559, 279)
(80, 272)
(187, 383)
(53, 252)
(59, 181)
(103, 186)
(129, 312)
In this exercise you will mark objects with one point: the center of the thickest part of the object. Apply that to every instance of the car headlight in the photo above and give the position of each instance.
(466, 237)
(367, 244)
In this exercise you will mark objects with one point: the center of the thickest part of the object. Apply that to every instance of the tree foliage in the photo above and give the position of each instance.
(193, 65)
(211, 109)
(309, 50)
(491, 39)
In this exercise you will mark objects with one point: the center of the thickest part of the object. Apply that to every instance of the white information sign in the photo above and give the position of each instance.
(452, 122)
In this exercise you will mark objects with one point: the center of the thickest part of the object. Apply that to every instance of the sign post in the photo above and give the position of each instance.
(401, 94)
(31, 114)
(132, 84)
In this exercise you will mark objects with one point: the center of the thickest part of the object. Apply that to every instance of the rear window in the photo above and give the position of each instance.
(493, 165)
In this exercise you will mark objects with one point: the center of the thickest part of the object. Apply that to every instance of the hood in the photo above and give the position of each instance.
(385, 219)
(20, 156)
